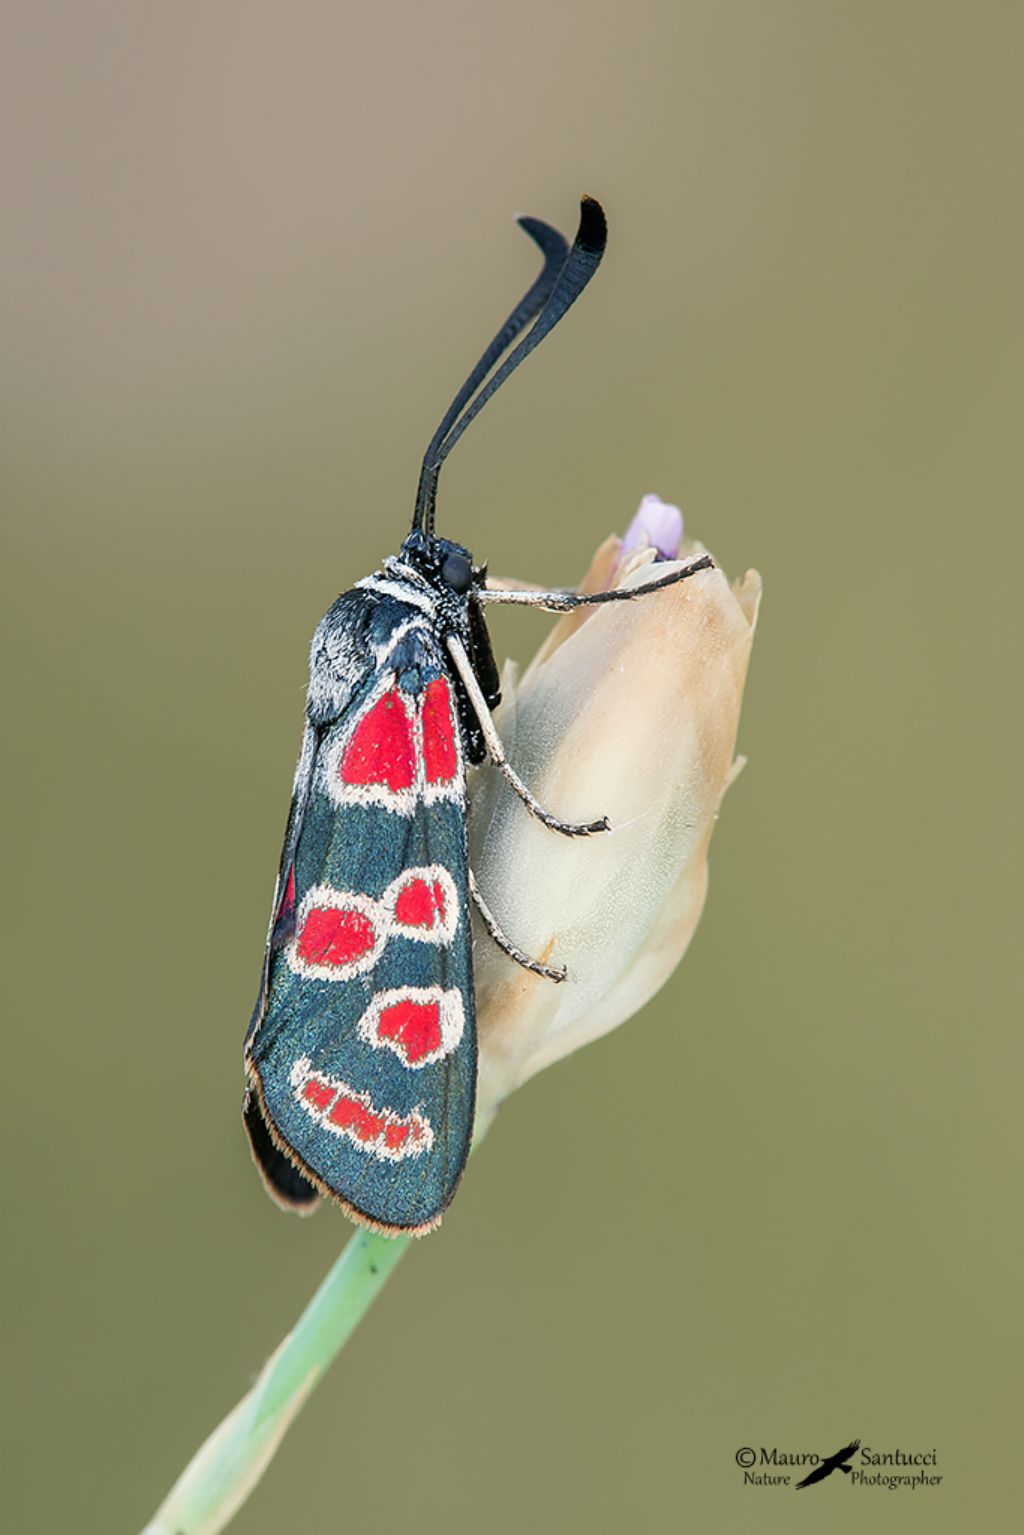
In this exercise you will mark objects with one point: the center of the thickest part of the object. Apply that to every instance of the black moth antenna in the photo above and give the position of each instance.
(555, 248)
(564, 276)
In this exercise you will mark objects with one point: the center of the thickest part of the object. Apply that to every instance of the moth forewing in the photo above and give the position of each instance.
(361, 1052)
(364, 1062)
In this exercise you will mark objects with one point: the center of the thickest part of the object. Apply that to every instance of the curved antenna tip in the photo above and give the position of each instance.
(593, 230)
(565, 274)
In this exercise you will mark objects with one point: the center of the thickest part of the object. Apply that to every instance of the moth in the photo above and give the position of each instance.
(361, 1054)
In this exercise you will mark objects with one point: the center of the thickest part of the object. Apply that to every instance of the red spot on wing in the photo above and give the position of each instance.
(415, 1027)
(420, 903)
(352, 1115)
(319, 1094)
(335, 936)
(381, 750)
(440, 757)
(340, 1108)
(288, 899)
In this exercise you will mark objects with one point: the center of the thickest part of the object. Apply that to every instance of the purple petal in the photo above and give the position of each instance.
(657, 523)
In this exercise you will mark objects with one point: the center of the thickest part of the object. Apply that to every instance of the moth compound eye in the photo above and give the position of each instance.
(457, 572)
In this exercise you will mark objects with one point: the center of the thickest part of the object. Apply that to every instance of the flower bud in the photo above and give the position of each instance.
(658, 525)
(629, 710)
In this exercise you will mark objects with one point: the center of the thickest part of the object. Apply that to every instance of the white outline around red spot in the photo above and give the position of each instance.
(381, 916)
(440, 933)
(452, 1019)
(327, 898)
(419, 1141)
(401, 802)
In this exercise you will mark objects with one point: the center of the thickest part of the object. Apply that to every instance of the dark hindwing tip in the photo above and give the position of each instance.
(295, 1187)
(282, 1179)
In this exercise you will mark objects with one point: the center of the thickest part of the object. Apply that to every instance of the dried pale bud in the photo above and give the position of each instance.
(628, 710)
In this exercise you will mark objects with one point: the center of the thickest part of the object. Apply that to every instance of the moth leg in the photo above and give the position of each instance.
(496, 752)
(505, 944)
(511, 584)
(566, 602)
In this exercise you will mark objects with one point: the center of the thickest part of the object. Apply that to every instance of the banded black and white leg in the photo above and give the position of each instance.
(505, 944)
(496, 751)
(550, 602)
(556, 601)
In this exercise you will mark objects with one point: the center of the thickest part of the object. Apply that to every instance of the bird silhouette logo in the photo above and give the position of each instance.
(836, 1462)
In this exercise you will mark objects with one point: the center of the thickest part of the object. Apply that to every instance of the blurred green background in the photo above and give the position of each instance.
(249, 253)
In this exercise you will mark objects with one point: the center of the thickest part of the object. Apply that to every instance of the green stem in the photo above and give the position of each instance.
(224, 1471)
(226, 1468)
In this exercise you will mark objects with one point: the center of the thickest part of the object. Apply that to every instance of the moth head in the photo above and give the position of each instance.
(446, 565)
